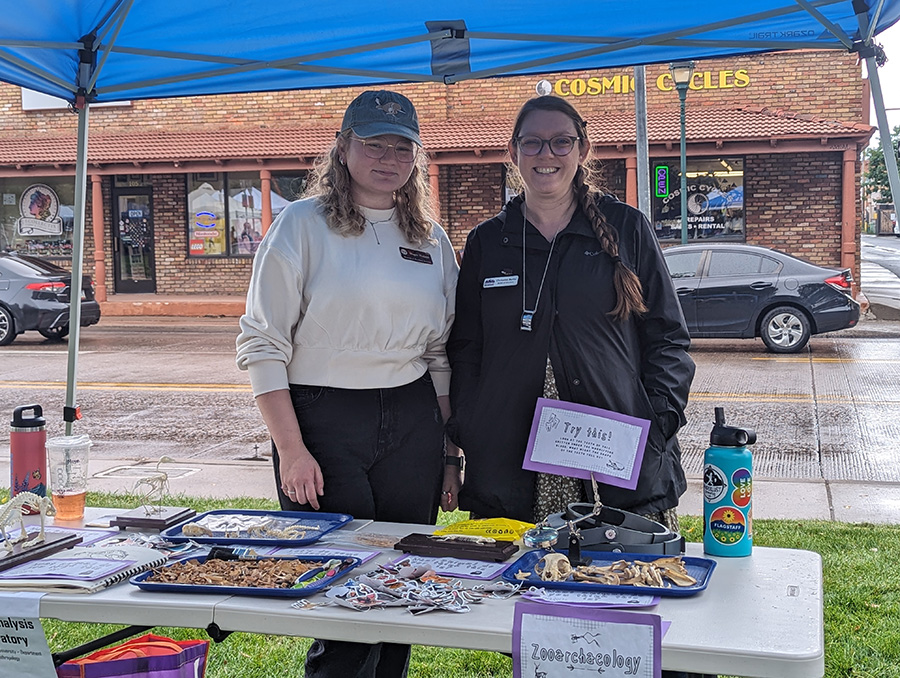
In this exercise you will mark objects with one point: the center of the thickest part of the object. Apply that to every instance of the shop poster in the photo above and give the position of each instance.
(23, 645)
(580, 441)
(555, 641)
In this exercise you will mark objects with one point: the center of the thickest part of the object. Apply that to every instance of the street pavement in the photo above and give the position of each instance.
(818, 498)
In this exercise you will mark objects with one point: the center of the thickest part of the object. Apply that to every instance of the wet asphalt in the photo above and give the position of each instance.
(827, 419)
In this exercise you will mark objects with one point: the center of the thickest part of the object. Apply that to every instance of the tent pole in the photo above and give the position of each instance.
(77, 266)
(643, 153)
(884, 129)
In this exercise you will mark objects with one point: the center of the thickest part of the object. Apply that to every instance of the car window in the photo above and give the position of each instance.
(683, 264)
(739, 263)
(27, 267)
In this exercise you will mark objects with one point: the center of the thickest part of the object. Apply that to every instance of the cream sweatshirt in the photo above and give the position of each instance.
(367, 311)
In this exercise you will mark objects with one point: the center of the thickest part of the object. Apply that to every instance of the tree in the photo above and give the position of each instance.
(875, 178)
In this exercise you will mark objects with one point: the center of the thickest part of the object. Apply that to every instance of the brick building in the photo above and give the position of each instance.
(181, 190)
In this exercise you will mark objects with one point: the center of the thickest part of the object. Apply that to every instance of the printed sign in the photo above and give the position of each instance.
(580, 441)
(23, 645)
(552, 641)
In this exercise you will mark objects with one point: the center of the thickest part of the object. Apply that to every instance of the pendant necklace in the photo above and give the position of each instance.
(380, 221)
(528, 314)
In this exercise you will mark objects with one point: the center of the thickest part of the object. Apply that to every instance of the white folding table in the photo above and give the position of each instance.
(760, 616)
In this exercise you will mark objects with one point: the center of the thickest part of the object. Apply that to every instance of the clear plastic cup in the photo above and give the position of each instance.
(67, 458)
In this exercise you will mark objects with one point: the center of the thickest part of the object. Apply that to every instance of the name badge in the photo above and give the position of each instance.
(415, 255)
(503, 281)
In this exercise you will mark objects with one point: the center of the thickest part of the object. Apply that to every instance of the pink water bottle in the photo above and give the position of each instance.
(28, 452)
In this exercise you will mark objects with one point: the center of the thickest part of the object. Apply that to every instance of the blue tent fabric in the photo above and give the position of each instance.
(168, 48)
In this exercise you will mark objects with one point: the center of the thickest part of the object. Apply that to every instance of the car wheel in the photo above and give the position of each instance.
(785, 330)
(56, 333)
(7, 327)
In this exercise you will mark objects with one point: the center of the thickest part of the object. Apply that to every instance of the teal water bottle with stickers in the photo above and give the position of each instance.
(728, 490)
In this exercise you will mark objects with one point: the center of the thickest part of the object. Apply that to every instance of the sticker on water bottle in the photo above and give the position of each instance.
(715, 484)
(743, 487)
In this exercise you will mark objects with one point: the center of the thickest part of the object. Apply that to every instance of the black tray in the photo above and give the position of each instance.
(699, 568)
(140, 581)
(325, 521)
(427, 545)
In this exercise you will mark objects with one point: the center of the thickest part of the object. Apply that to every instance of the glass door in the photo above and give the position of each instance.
(135, 269)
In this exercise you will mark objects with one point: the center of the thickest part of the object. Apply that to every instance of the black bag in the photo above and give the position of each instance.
(616, 530)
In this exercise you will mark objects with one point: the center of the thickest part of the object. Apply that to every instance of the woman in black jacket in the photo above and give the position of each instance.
(564, 294)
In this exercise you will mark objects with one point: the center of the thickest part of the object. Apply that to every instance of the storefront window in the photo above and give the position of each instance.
(715, 204)
(220, 227)
(37, 215)
(286, 188)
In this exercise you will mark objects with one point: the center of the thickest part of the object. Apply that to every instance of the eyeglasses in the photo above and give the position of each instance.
(561, 145)
(375, 149)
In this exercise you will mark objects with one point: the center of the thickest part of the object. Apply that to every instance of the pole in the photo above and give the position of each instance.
(77, 262)
(643, 154)
(682, 95)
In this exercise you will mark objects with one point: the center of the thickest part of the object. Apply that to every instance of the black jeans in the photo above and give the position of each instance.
(380, 451)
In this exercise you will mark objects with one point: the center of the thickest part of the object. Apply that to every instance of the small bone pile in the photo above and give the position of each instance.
(556, 567)
(269, 574)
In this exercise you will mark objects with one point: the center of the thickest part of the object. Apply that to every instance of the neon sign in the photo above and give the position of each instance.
(661, 173)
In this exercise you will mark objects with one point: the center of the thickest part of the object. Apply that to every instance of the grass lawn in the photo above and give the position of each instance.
(862, 605)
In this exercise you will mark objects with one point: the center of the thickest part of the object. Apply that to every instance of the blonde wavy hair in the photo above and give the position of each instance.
(629, 292)
(331, 183)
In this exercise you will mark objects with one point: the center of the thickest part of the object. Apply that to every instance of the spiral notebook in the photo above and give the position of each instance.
(82, 569)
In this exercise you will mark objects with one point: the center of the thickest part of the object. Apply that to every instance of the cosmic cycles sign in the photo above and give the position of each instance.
(624, 83)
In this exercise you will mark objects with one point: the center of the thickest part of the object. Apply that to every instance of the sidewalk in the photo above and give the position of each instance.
(843, 501)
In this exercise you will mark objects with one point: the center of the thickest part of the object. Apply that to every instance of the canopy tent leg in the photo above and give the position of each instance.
(77, 268)
(884, 130)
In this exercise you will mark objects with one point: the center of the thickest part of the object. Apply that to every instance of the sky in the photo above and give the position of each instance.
(889, 75)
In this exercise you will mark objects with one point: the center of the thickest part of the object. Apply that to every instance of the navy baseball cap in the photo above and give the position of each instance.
(374, 113)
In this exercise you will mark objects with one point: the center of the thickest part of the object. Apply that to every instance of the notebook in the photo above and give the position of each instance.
(82, 569)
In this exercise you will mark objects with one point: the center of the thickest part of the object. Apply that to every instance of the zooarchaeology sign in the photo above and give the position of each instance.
(624, 84)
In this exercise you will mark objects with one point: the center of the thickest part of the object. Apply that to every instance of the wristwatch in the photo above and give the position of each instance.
(459, 462)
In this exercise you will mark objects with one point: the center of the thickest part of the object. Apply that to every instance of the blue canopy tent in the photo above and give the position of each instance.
(95, 51)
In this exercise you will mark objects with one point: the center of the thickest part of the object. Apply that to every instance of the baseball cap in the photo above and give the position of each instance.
(382, 112)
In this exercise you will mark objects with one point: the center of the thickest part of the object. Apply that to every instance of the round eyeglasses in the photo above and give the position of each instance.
(405, 151)
(559, 145)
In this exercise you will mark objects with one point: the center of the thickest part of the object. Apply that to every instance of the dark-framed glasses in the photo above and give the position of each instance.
(376, 148)
(559, 145)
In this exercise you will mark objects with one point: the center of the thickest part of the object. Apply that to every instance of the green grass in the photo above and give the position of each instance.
(862, 605)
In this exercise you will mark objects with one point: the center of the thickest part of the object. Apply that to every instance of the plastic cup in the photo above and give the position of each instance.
(67, 457)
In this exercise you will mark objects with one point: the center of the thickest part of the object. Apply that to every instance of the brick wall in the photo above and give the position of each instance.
(793, 203)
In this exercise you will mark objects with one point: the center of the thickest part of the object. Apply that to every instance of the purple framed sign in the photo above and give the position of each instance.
(556, 640)
(579, 441)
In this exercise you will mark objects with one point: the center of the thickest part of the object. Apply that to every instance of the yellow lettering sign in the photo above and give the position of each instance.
(624, 84)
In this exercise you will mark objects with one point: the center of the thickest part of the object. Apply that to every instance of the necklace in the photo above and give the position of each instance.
(380, 221)
(528, 314)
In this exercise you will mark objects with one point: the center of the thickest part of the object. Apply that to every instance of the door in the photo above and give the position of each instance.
(684, 268)
(135, 268)
(735, 287)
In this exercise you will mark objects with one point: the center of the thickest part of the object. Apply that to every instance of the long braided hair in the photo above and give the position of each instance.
(331, 182)
(629, 294)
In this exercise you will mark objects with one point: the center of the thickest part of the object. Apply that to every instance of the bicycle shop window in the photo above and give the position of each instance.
(37, 216)
(224, 214)
(715, 203)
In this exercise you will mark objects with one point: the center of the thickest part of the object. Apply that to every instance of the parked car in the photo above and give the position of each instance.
(34, 295)
(744, 291)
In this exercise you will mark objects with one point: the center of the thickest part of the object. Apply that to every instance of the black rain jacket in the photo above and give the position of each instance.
(640, 367)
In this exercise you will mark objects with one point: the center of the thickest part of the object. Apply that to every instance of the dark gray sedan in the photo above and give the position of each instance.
(745, 291)
(34, 295)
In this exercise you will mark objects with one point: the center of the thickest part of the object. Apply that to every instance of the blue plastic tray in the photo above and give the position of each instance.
(140, 581)
(699, 568)
(325, 521)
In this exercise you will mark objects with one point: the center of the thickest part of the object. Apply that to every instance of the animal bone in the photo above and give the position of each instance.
(12, 511)
(554, 567)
